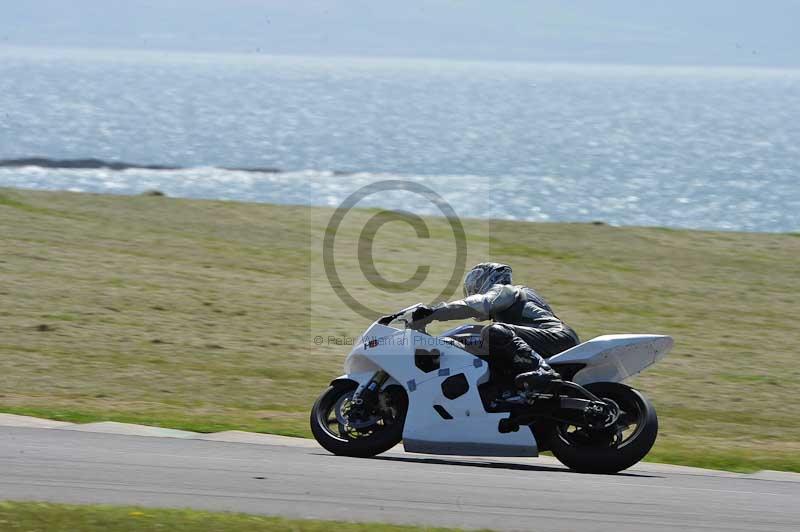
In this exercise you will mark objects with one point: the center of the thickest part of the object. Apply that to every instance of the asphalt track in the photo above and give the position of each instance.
(295, 478)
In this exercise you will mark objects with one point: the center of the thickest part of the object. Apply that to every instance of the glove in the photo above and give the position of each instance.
(421, 317)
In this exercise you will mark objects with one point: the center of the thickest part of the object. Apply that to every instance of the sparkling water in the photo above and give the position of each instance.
(678, 147)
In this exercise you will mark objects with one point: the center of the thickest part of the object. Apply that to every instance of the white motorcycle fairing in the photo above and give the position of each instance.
(445, 412)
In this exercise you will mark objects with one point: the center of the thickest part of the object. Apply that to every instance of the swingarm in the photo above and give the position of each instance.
(558, 404)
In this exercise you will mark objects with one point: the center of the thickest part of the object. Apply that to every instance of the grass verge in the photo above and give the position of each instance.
(45, 517)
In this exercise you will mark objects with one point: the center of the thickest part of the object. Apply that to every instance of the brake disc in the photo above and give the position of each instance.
(343, 408)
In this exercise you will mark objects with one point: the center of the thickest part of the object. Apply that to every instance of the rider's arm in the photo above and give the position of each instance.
(480, 306)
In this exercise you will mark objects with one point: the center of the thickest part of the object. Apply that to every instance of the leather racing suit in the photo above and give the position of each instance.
(524, 329)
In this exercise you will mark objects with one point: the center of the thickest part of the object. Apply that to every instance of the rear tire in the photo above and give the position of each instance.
(382, 436)
(606, 451)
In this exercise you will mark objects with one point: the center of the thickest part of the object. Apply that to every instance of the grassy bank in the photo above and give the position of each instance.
(41, 517)
(198, 314)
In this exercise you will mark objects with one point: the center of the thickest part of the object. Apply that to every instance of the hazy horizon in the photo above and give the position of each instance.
(679, 32)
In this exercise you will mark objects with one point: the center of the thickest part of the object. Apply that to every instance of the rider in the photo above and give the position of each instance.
(524, 330)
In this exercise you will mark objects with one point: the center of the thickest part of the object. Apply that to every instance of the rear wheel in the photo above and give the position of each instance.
(612, 449)
(340, 427)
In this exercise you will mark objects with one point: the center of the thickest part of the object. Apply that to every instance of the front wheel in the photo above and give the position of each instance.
(612, 449)
(341, 429)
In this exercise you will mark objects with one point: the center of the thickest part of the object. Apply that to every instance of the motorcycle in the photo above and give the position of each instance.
(434, 395)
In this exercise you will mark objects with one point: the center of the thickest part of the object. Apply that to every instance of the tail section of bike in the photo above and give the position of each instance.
(611, 358)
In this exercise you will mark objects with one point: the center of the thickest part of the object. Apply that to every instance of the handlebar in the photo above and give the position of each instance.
(403, 315)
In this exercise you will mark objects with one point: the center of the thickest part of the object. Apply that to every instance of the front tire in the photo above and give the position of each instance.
(610, 450)
(332, 429)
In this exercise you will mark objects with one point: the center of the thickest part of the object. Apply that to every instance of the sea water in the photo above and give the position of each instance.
(710, 148)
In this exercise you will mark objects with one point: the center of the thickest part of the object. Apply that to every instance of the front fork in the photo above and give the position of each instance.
(366, 397)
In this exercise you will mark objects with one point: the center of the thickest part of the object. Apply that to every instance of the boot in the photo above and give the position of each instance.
(543, 379)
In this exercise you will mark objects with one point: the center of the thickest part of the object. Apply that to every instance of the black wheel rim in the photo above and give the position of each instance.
(332, 416)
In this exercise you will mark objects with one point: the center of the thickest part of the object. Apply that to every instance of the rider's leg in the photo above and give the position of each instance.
(509, 350)
(547, 341)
